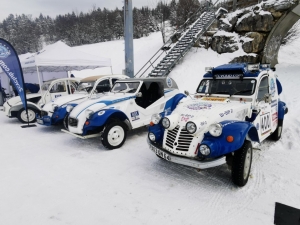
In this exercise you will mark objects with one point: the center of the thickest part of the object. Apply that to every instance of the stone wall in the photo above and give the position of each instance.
(247, 29)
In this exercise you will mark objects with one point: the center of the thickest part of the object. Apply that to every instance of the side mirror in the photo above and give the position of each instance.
(186, 93)
(139, 95)
(268, 98)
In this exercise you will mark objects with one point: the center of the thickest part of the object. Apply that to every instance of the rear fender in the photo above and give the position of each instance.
(20, 106)
(239, 130)
(282, 109)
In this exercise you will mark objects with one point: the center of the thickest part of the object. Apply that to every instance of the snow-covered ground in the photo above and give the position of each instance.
(48, 177)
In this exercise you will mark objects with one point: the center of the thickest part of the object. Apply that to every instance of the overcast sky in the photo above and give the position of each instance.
(56, 7)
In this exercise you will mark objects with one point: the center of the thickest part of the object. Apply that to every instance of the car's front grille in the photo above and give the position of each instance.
(44, 113)
(73, 122)
(179, 141)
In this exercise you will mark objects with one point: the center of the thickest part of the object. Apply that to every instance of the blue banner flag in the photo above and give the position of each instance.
(10, 64)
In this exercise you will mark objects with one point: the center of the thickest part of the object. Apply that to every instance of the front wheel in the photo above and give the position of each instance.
(241, 164)
(22, 115)
(114, 135)
(65, 122)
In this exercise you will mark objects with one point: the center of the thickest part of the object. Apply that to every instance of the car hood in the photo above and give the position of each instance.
(99, 103)
(68, 99)
(17, 99)
(207, 112)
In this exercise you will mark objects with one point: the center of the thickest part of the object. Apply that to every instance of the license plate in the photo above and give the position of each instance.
(160, 153)
(39, 121)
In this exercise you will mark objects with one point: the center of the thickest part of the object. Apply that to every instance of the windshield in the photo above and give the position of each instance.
(125, 87)
(227, 86)
(85, 87)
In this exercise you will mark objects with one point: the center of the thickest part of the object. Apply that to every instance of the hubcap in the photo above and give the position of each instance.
(247, 163)
(31, 115)
(115, 135)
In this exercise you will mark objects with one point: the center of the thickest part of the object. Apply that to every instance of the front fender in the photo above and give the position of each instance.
(172, 103)
(99, 119)
(238, 129)
(158, 130)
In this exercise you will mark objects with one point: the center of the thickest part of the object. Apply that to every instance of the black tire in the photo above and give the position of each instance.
(277, 133)
(241, 164)
(116, 128)
(22, 116)
(65, 122)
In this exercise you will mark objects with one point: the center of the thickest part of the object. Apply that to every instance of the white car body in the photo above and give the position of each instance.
(58, 106)
(14, 106)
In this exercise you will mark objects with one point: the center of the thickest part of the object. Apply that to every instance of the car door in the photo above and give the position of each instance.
(57, 89)
(263, 122)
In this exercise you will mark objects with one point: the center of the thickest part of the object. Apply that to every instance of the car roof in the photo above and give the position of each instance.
(167, 81)
(94, 78)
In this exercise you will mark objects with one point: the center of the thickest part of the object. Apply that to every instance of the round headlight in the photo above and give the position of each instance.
(215, 129)
(204, 149)
(191, 127)
(69, 108)
(151, 136)
(54, 107)
(155, 118)
(165, 122)
(88, 113)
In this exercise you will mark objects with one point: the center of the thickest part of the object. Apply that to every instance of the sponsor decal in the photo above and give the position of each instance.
(265, 123)
(101, 113)
(228, 123)
(199, 106)
(203, 123)
(167, 111)
(274, 116)
(227, 112)
(56, 96)
(272, 87)
(186, 117)
(135, 115)
(169, 82)
(228, 75)
(4, 51)
(214, 99)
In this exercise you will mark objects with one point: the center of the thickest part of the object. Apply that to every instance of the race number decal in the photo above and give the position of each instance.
(265, 123)
(135, 115)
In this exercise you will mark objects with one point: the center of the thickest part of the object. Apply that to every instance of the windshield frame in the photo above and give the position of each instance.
(229, 93)
(135, 81)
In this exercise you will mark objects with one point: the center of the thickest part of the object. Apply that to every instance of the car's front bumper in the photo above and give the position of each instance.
(81, 136)
(44, 120)
(183, 160)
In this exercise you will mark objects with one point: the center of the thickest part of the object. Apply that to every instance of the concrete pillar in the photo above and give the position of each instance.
(128, 33)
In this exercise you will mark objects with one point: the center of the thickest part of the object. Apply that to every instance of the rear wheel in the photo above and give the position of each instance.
(22, 115)
(241, 164)
(114, 134)
(277, 133)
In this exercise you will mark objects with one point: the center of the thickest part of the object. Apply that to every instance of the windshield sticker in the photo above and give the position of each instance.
(214, 99)
(135, 115)
(199, 106)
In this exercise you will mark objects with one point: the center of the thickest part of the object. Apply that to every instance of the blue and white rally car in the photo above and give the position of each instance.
(56, 111)
(129, 105)
(236, 106)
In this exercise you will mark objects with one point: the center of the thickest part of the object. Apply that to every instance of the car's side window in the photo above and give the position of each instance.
(58, 87)
(103, 86)
(263, 88)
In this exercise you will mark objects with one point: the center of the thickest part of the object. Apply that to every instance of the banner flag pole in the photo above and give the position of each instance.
(10, 64)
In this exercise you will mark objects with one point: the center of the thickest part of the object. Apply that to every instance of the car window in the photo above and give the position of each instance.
(125, 87)
(227, 86)
(263, 88)
(103, 86)
(58, 87)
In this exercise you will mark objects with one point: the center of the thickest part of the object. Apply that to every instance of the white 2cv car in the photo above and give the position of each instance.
(56, 111)
(50, 90)
(235, 105)
(127, 106)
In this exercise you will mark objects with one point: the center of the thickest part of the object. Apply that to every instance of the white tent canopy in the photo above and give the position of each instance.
(57, 58)
(60, 57)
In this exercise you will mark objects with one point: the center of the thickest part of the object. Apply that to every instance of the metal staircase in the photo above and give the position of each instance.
(175, 52)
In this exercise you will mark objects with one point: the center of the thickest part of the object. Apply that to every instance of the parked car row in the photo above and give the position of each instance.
(235, 107)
